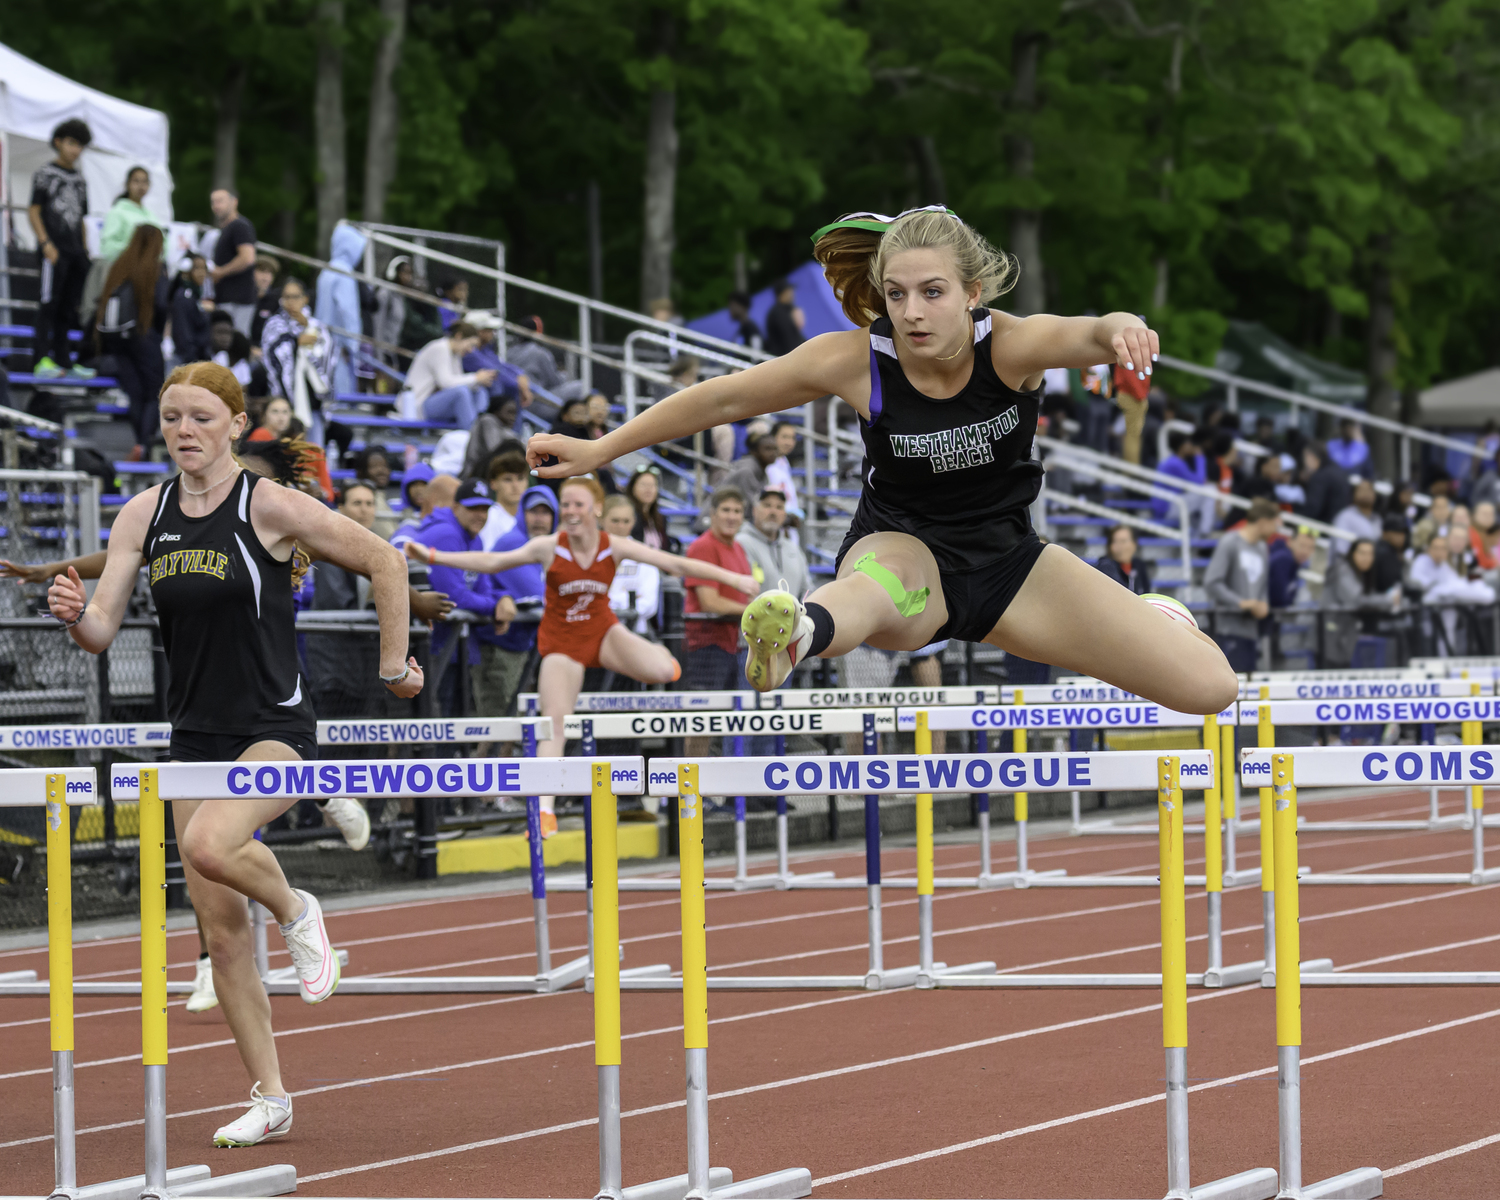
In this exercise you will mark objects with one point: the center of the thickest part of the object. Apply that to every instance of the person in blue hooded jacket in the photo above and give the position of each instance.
(338, 301)
(457, 528)
(503, 656)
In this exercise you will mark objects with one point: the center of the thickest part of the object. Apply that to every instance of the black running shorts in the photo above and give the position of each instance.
(190, 746)
(976, 599)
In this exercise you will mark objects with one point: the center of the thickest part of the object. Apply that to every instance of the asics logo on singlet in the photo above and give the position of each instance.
(955, 449)
(169, 537)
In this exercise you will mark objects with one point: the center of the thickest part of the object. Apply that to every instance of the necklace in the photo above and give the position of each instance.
(955, 354)
(189, 491)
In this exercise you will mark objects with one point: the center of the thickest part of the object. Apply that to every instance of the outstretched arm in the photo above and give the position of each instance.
(836, 363)
(487, 562)
(676, 564)
(1024, 347)
(88, 566)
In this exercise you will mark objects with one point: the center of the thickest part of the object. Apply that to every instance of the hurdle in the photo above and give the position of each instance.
(1383, 767)
(57, 789)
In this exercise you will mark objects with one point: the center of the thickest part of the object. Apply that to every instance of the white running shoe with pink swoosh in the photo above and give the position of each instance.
(317, 965)
(266, 1120)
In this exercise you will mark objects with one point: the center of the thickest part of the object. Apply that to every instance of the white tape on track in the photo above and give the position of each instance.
(1372, 712)
(387, 778)
(26, 787)
(902, 774)
(1380, 766)
(729, 724)
(1127, 715)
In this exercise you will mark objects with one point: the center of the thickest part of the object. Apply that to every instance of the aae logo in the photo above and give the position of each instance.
(1192, 769)
(80, 785)
(666, 777)
(625, 776)
(124, 781)
(1257, 768)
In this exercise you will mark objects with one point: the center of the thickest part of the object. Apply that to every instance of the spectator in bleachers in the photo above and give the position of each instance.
(650, 529)
(299, 353)
(1285, 558)
(59, 200)
(748, 473)
(1187, 463)
(484, 356)
(1459, 529)
(417, 506)
(1349, 451)
(1122, 562)
(130, 320)
(508, 477)
(1439, 515)
(231, 349)
(599, 414)
(438, 382)
(189, 312)
(784, 320)
(1326, 486)
(340, 666)
(453, 293)
(636, 585)
(779, 473)
(1487, 486)
(1265, 433)
(1358, 520)
(1131, 394)
(684, 371)
(747, 332)
(493, 431)
(774, 559)
(457, 527)
(1238, 578)
(274, 421)
(1484, 543)
(374, 468)
(534, 360)
(1354, 583)
(573, 421)
(233, 272)
(712, 660)
(1390, 552)
(503, 657)
(1432, 574)
(125, 214)
(267, 298)
(390, 312)
(339, 305)
(423, 319)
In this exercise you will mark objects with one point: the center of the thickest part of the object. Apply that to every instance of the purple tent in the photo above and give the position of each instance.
(814, 297)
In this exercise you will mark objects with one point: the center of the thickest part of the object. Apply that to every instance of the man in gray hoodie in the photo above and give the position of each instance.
(1238, 578)
(772, 557)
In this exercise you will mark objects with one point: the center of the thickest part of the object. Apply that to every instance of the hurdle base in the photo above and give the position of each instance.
(676, 1187)
(655, 969)
(792, 879)
(128, 1188)
(564, 976)
(279, 1180)
(1259, 1183)
(1308, 966)
(1019, 979)
(1403, 979)
(926, 982)
(790, 1184)
(1016, 879)
(1362, 1183)
(1233, 976)
(17, 976)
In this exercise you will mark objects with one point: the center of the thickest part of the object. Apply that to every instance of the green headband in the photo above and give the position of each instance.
(872, 222)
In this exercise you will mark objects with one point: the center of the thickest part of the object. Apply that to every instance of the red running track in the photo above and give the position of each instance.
(939, 1094)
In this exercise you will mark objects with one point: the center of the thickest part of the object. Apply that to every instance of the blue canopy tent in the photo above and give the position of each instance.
(814, 297)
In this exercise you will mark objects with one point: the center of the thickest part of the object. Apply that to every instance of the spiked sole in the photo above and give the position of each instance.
(769, 624)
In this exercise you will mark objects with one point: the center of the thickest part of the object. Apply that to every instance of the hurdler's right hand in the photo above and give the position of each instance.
(575, 456)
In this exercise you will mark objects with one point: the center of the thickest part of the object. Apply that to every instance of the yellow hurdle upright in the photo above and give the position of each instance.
(925, 857)
(153, 851)
(1022, 811)
(1213, 847)
(1173, 968)
(1288, 977)
(1473, 734)
(1267, 740)
(694, 973)
(1228, 792)
(60, 978)
(606, 948)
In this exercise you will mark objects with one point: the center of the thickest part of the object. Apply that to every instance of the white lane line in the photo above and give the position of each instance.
(1417, 1164)
(1228, 1081)
(478, 1062)
(1387, 958)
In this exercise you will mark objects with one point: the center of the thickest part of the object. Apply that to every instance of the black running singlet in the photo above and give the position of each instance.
(957, 473)
(227, 623)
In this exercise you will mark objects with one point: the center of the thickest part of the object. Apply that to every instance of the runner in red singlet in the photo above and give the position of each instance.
(578, 630)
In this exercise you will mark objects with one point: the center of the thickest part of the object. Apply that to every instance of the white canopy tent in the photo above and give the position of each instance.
(34, 100)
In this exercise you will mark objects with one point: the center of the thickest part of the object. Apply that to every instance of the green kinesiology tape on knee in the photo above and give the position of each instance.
(908, 604)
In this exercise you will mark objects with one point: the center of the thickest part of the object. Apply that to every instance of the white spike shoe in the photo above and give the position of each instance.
(778, 632)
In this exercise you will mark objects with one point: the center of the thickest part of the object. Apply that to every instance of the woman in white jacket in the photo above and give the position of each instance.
(439, 384)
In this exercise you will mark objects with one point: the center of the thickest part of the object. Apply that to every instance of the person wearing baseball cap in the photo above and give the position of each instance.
(414, 488)
(457, 528)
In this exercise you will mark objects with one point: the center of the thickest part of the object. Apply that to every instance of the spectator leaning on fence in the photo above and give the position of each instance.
(777, 562)
(1285, 558)
(644, 490)
(1353, 583)
(1121, 562)
(712, 660)
(1238, 578)
(503, 656)
(417, 508)
(1390, 552)
(59, 200)
(1439, 516)
(438, 382)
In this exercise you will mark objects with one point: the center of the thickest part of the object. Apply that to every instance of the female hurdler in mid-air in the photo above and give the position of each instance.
(941, 545)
